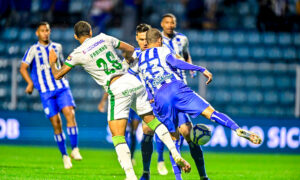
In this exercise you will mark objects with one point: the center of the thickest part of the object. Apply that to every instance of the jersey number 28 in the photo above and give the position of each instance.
(111, 58)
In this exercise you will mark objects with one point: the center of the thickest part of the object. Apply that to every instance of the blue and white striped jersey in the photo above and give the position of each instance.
(37, 56)
(154, 69)
(180, 44)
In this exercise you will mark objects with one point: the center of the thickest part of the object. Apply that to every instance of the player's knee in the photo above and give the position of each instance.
(185, 131)
(208, 112)
(147, 130)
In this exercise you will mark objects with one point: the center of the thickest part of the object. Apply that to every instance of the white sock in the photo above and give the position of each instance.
(124, 158)
(164, 135)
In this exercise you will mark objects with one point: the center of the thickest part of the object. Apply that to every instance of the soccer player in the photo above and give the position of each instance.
(179, 43)
(173, 98)
(55, 94)
(98, 57)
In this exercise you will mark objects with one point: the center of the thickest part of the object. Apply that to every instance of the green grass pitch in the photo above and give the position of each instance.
(26, 162)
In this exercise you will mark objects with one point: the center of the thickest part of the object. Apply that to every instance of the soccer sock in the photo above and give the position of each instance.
(163, 134)
(124, 156)
(60, 139)
(133, 143)
(197, 155)
(73, 135)
(159, 148)
(176, 168)
(147, 149)
(224, 120)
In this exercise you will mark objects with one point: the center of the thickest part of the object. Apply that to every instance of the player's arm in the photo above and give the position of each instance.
(26, 76)
(187, 57)
(57, 73)
(176, 63)
(102, 103)
(127, 51)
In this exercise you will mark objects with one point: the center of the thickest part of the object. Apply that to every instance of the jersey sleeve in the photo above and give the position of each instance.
(73, 59)
(29, 56)
(114, 41)
(134, 67)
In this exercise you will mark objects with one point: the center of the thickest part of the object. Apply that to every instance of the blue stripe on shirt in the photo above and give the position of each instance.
(42, 71)
(52, 77)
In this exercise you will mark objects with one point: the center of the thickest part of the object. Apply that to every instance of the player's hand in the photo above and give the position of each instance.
(209, 76)
(193, 74)
(29, 88)
(102, 106)
(52, 56)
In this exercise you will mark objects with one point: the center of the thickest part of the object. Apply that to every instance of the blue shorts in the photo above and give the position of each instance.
(133, 116)
(173, 101)
(54, 101)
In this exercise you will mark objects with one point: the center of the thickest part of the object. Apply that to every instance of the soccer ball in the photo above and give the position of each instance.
(200, 134)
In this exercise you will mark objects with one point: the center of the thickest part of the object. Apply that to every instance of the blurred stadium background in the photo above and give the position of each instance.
(252, 47)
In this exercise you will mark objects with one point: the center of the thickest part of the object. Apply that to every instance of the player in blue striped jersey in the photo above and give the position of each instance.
(55, 94)
(173, 96)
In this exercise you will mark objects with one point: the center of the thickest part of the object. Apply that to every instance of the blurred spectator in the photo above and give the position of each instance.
(101, 13)
(129, 19)
(20, 11)
(60, 12)
(194, 13)
(210, 19)
(274, 15)
(5, 8)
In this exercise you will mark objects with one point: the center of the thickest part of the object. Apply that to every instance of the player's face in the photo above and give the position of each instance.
(168, 24)
(141, 40)
(43, 33)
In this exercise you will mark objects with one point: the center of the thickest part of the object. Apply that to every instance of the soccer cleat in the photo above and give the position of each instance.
(185, 166)
(254, 138)
(145, 176)
(76, 155)
(67, 162)
(161, 168)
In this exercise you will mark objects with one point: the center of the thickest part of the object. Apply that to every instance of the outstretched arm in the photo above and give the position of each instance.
(176, 63)
(57, 73)
(102, 103)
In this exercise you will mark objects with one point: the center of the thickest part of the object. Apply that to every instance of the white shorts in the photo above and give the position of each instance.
(125, 93)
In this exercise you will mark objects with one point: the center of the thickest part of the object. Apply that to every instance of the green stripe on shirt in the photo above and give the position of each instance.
(70, 65)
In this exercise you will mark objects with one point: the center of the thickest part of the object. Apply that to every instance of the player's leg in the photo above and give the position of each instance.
(134, 125)
(144, 110)
(161, 167)
(225, 120)
(195, 150)
(147, 150)
(118, 112)
(194, 105)
(176, 168)
(66, 105)
(52, 112)
(60, 138)
(117, 128)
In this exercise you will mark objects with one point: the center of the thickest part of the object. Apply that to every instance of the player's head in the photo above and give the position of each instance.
(154, 38)
(140, 37)
(82, 29)
(43, 32)
(168, 23)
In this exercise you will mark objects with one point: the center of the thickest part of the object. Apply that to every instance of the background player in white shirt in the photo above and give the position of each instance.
(98, 57)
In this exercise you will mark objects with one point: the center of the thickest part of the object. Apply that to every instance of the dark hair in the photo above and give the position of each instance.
(169, 15)
(82, 28)
(153, 35)
(142, 28)
(42, 23)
